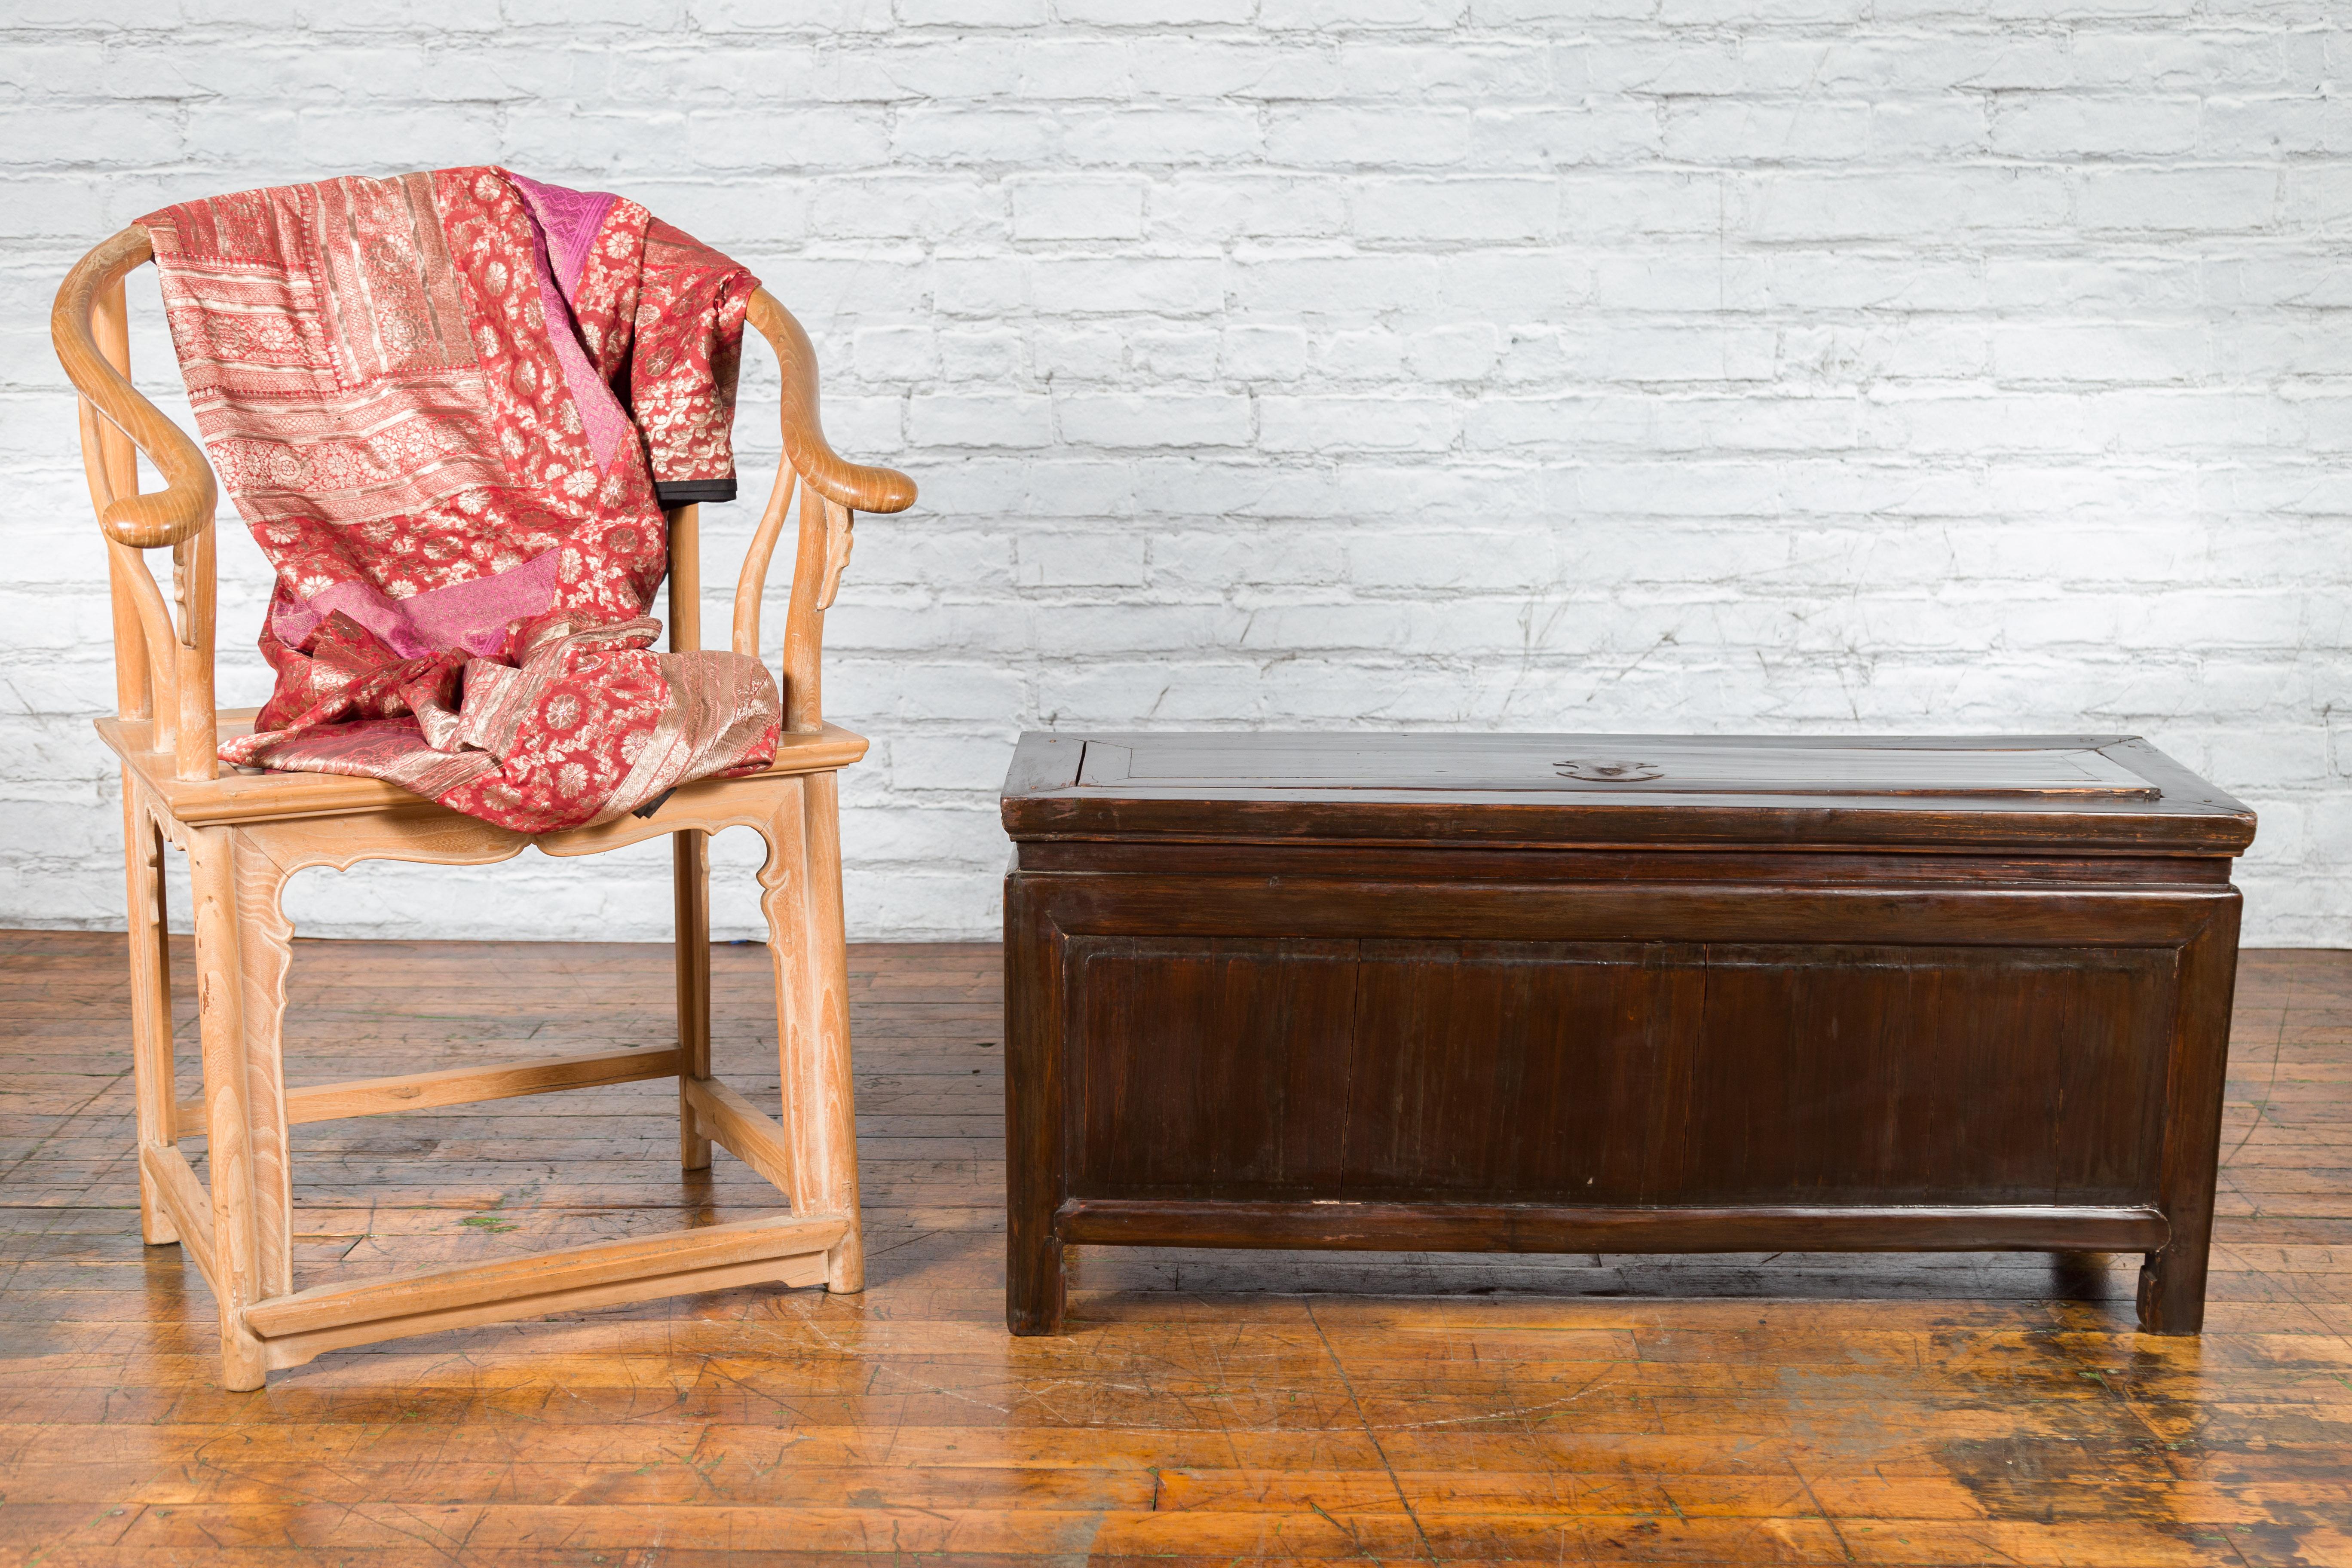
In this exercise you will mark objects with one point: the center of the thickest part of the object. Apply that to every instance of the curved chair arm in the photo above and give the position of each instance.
(832, 490)
(184, 506)
(162, 664)
(832, 475)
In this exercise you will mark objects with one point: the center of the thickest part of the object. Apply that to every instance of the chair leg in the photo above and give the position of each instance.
(154, 1085)
(690, 855)
(265, 949)
(228, 1144)
(801, 896)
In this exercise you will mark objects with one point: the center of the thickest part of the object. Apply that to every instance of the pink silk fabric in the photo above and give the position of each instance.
(449, 406)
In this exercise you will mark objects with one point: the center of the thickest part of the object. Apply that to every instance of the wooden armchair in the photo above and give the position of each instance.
(246, 834)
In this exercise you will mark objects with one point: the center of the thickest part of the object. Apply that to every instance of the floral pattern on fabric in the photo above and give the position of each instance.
(405, 391)
(691, 304)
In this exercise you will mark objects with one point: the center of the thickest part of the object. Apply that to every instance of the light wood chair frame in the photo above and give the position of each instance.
(246, 834)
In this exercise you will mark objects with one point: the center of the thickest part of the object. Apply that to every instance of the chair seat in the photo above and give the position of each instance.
(249, 796)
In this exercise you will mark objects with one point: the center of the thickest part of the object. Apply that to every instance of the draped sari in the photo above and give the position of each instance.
(451, 407)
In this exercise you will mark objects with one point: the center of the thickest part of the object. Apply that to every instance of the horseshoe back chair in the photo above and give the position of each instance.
(246, 834)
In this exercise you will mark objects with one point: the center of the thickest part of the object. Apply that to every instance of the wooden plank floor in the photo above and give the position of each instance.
(1210, 1408)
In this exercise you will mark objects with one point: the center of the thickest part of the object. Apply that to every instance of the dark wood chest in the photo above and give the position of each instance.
(1615, 993)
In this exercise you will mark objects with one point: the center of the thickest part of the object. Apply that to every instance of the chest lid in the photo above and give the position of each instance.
(2050, 791)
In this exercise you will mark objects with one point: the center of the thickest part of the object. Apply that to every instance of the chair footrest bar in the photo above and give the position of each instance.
(457, 1086)
(782, 1249)
(186, 1204)
(738, 1127)
(794, 1271)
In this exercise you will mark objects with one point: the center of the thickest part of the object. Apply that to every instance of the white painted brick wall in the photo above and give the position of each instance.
(1766, 365)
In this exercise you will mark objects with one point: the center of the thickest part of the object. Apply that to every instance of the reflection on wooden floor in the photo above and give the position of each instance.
(1210, 1408)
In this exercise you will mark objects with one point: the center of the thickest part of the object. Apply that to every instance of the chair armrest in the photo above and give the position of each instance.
(163, 663)
(184, 506)
(825, 471)
(832, 490)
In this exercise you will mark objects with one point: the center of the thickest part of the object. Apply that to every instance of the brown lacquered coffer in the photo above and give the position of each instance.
(1615, 993)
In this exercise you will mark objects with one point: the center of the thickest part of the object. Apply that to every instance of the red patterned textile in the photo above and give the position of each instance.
(451, 407)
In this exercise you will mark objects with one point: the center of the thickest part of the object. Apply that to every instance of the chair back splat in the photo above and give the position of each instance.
(247, 833)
